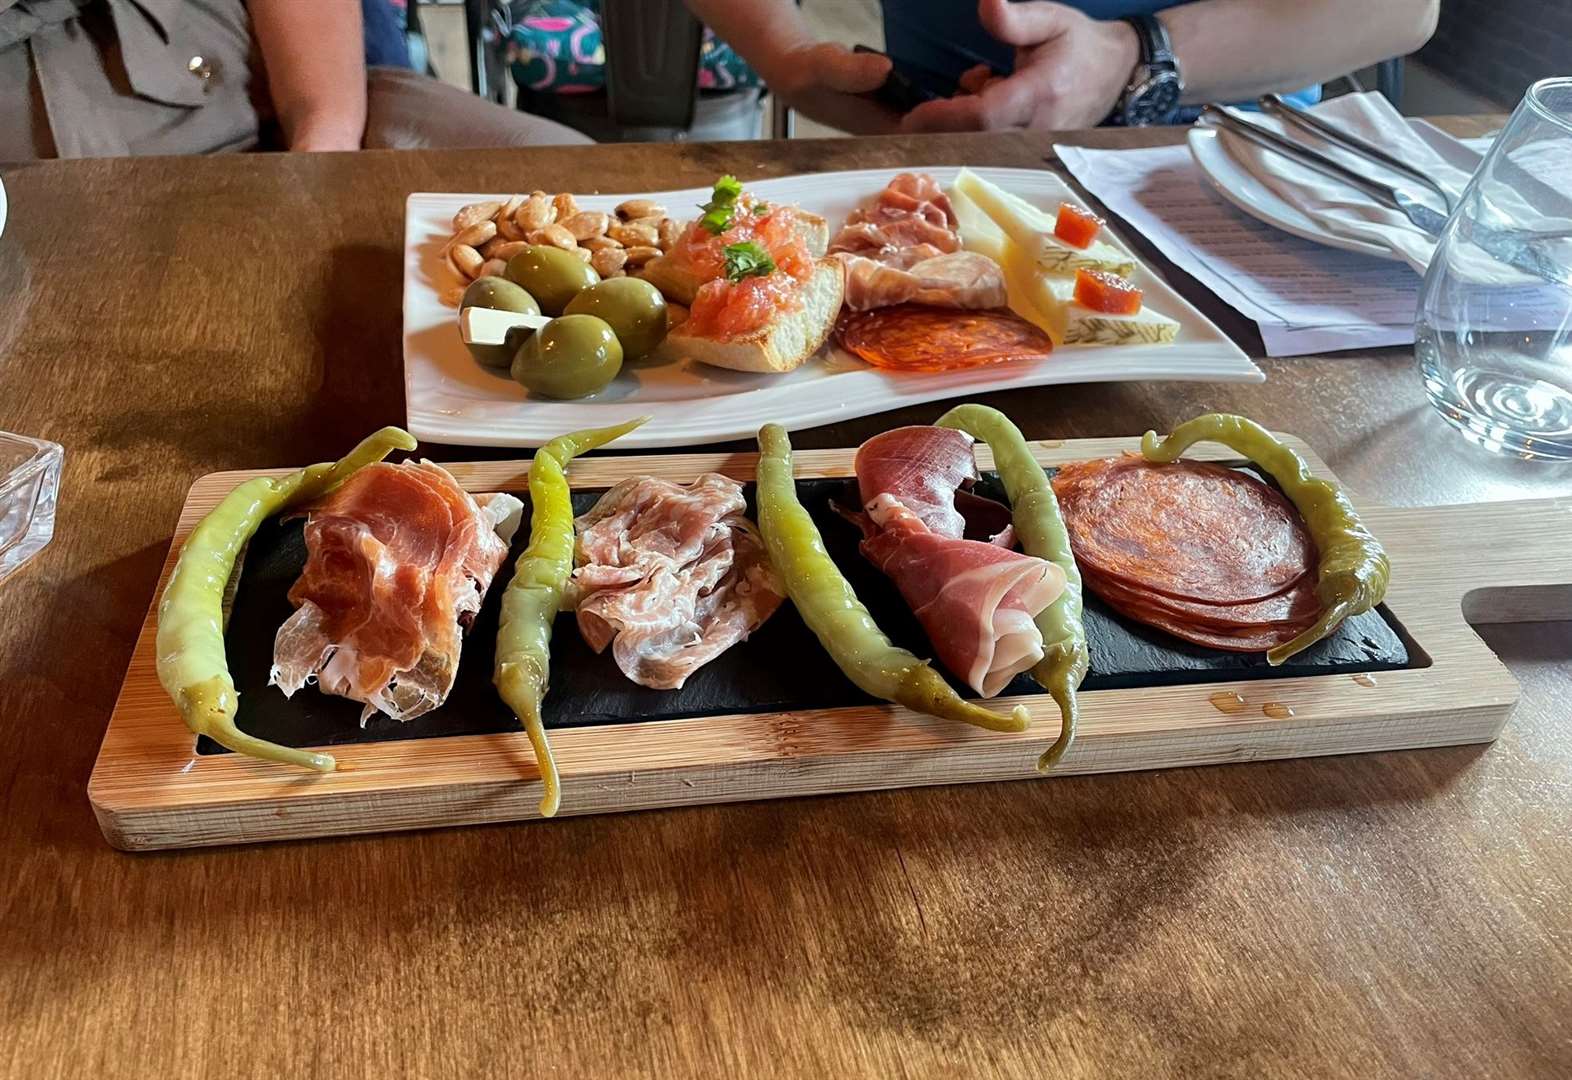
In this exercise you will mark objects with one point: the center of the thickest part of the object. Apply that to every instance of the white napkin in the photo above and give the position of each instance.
(1342, 210)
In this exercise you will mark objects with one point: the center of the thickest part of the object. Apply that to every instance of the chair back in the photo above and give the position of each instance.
(652, 74)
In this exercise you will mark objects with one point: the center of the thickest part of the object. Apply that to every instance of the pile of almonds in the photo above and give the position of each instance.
(487, 234)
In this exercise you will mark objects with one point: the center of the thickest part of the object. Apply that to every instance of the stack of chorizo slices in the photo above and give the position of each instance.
(916, 337)
(1209, 554)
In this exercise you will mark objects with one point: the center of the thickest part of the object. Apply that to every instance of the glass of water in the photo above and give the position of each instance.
(1494, 331)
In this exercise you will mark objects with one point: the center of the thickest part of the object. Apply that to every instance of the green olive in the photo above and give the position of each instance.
(499, 294)
(551, 275)
(570, 357)
(633, 308)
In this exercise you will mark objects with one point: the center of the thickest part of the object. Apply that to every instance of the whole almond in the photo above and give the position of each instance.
(508, 228)
(586, 223)
(554, 235)
(668, 231)
(508, 249)
(584, 254)
(488, 250)
(509, 208)
(493, 268)
(564, 205)
(638, 256)
(466, 261)
(640, 208)
(536, 213)
(634, 235)
(477, 234)
(453, 295)
(601, 243)
(608, 261)
(473, 213)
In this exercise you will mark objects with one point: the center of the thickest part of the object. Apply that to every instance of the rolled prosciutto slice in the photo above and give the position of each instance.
(976, 599)
(922, 466)
(398, 561)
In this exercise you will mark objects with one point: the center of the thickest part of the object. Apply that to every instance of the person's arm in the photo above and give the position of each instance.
(1230, 50)
(1071, 69)
(823, 80)
(315, 59)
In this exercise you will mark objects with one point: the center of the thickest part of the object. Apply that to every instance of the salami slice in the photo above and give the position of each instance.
(1192, 530)
(913, 337)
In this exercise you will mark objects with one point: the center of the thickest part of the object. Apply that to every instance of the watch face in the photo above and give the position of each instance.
(1154, 102)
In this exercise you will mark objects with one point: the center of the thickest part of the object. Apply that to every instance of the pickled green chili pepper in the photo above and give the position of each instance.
(192, 665)
(826, 602)
(534, 595)
(1035, 513)
(1353, 571)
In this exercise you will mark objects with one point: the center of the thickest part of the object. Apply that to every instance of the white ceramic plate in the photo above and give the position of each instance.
(452, 399)
(2, 207)
(1240, 186)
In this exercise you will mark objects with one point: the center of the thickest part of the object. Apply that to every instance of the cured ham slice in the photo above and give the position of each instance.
(906, 248)
(671, 576)
(977, 600)
(911, 211)
(398, 560)
(962, 279)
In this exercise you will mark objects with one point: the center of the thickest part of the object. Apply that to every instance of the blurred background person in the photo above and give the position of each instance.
(95, 78)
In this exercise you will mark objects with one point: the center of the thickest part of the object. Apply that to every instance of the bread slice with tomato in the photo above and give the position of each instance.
(679, 284)
(782, 344)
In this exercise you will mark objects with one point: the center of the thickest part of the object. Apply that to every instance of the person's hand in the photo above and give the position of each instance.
(827, 81)
(1069, 72)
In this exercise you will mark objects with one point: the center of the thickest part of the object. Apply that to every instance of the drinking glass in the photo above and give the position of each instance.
(1493, 336)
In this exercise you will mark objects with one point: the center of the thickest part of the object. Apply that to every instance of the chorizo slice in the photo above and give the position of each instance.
(1192, 530)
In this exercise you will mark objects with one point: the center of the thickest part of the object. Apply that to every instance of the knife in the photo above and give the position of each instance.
(1290, 113)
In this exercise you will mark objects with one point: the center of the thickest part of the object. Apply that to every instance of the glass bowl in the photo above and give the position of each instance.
(29, 483)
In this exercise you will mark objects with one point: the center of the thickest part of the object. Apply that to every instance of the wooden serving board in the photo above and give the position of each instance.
(1499, 562)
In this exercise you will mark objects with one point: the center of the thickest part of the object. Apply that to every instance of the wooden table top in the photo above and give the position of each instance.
(1396, 914)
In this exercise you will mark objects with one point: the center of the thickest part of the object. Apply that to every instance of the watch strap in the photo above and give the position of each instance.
(1157, 49)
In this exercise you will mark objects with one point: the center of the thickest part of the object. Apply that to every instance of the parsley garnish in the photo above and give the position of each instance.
(747, 259)
(723, 203)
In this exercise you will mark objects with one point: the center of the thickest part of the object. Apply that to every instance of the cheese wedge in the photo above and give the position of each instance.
(1032, 230)
(977, 229)
(1048, 301)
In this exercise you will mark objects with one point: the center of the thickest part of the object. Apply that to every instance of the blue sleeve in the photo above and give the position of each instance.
(386, 45)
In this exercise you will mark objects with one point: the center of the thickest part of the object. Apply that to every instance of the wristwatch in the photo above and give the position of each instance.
(1153, 94)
